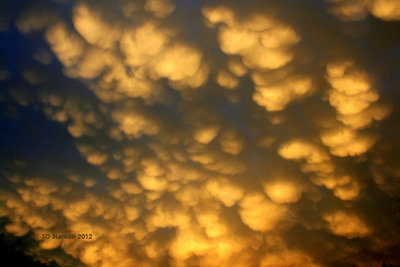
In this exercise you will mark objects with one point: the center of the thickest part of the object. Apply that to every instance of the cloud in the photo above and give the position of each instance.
(346, 225)
(260, 214)
(357, 9)
(283, 192)
(182, 133)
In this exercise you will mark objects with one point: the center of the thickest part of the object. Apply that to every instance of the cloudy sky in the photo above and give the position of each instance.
(223, 133)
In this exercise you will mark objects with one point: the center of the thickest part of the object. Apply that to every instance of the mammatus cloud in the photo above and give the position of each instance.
(358, 9)
(177, 133)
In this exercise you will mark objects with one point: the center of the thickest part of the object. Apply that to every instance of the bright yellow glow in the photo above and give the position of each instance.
(303, 150)
(66, 45)
(93, 28)
(385, 9)
(346, 225)
(140, 44)
(283, 192)
(236, 40)
(206, 135)
(225, 191)
(260, 214)
(345, 142)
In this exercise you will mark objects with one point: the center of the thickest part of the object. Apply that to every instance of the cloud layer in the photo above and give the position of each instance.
(209, 133)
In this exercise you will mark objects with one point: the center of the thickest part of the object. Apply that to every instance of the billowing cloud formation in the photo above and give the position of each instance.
(175, 133)
(358, 9)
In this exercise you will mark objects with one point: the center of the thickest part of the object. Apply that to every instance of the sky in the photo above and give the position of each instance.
(200, 133)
